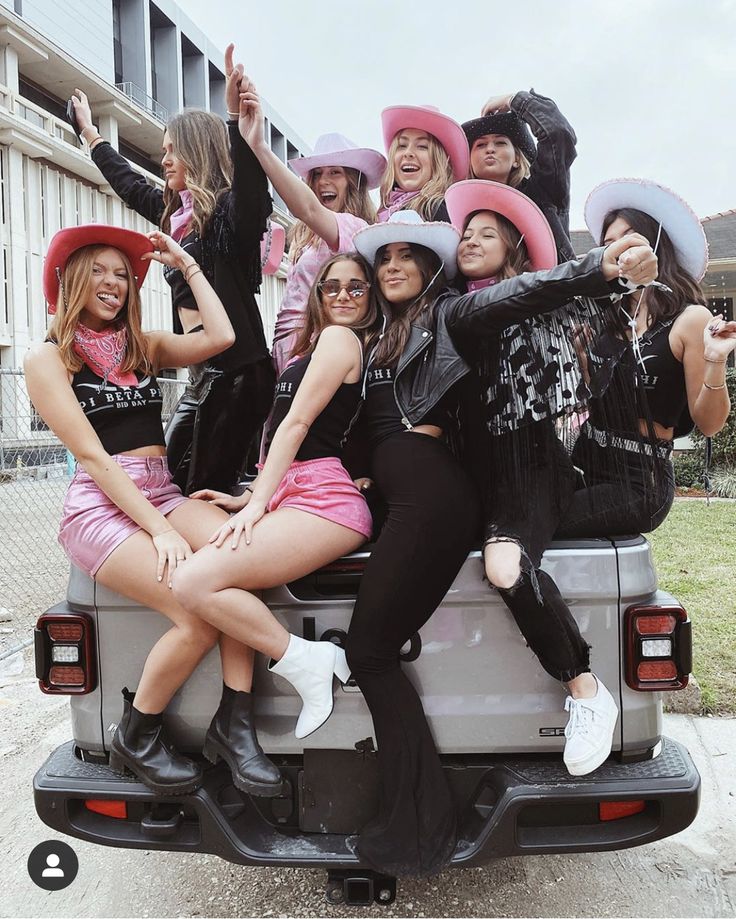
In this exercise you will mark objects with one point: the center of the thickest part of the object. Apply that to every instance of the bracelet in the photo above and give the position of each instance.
(708, 386)
(234, 115)
(94, 140)
(190, 271)
(711, 361)
(248, 488)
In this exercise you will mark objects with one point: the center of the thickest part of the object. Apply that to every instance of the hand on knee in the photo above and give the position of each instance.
(502, 563)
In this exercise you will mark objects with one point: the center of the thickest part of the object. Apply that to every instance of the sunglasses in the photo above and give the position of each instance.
(353, 289)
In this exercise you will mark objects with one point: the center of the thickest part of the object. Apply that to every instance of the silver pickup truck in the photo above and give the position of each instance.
(497, 718)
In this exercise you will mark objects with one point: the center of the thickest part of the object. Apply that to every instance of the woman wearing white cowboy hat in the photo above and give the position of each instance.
(410, 401)
(427, 152)
(331, 203)
(670, 343)
(502, 149)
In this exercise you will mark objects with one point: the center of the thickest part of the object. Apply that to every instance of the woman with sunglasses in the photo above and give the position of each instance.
(502, 149)
(415, 365)
(329, 199)
(303, 510)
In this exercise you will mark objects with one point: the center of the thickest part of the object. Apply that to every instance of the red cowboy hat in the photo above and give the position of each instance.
(67, 241)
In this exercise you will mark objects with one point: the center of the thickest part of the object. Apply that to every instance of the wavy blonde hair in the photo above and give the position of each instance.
(200, 141)
(434, 190)
(357, 202)
(74, 291)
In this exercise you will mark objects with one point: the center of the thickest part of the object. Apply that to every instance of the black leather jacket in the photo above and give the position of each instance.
(432, 361)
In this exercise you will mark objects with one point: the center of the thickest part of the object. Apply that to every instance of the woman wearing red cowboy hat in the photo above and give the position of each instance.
(415, 365)
(125, 523)
(502, 149)
(331, 204)
(216, 204)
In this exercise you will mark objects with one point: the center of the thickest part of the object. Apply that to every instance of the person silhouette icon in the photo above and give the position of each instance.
(53, 870)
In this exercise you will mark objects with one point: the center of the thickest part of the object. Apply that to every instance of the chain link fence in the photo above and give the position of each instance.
(35, 469)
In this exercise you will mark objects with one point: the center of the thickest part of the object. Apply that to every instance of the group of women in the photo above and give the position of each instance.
(486, 384)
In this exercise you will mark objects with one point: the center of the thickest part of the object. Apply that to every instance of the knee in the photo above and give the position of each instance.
(501, 571)
(198, 635)
(188, 588)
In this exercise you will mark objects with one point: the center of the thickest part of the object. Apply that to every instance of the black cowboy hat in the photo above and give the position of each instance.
(507, 123)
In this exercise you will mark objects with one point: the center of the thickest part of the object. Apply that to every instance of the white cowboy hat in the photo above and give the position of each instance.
(675, 215)
(337, 150)
(408, 227)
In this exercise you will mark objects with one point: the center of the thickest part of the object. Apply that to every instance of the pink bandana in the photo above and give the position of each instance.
(104, 352)
(181, 219)
(481, 283)
(397, 199)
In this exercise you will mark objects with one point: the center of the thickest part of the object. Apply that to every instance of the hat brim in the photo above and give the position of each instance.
(67, 241)
(509, 124)
(680, 221)
(440, 237)
(396, 118)
(370, 163)
(273, 244)
(464, 198)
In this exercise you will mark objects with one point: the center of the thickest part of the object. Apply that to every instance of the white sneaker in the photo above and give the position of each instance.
(589, 731)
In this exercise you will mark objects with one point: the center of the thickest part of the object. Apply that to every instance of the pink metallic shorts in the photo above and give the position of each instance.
(92, 526)
(323, 487)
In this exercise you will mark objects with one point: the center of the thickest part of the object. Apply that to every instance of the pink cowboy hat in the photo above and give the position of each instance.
(430, 119)
(67, 241)
(273, 243)
(337, 150)
(464, 198)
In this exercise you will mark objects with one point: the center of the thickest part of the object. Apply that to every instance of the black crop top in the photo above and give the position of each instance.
(382, 411)
(328, 430)
(124, 418)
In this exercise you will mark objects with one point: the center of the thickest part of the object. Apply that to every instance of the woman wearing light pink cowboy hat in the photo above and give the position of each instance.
(331, 203)
(427, 152)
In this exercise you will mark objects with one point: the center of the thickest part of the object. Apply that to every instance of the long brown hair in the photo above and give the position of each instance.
(517, 255)
(685, 289)
(357, 202)
(76, 283)
(200, 141)
(393, 341)
(315, 319)
(433, 192)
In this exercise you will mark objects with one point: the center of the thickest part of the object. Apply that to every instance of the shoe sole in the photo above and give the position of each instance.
(121, 766)
(213, 752)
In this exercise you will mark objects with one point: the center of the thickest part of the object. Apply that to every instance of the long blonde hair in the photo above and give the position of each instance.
(434, 190)
(200, 141)
(357, 202)
(74, 290)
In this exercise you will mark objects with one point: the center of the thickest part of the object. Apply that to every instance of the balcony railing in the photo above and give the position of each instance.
(146, 102)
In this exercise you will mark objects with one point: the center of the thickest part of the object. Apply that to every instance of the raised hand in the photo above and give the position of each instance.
(497, 104)
(168, 252)
(233, 76)
(630, 258)
(250, 123)
(82, 111)
(719, 339)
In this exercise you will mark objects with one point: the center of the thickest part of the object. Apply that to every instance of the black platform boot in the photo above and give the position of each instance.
(232, 737)
(139, 748)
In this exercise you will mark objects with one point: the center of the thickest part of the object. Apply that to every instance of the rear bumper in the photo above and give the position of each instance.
(507, 806)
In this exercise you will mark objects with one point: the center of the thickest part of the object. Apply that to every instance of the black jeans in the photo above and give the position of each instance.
(429, 529)
(215, 424)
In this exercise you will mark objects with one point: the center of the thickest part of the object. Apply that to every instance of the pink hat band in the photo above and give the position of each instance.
(273, 244)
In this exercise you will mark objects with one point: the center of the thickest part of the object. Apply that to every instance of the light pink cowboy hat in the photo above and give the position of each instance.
(464, 198)
(408, 227)
(338, 150)
(427, 118)
(65, 242)
(273, 243)
(674, 214)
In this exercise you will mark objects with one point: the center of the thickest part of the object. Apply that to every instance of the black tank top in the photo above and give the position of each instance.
(327, 432)
(124, 417)
(382, 411)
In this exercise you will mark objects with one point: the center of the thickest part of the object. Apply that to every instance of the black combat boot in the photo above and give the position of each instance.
(139, 747)
(232, 737)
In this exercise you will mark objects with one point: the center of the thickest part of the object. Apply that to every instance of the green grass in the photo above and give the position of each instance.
(695, 555)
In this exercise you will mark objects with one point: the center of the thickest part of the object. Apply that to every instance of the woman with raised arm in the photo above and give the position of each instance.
(303, 511)
(502, 149)
(416, 362)
(330, 201)
(216, 204)
(125, 523)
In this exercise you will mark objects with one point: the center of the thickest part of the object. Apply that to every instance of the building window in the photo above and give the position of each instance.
(42, 98)
(117, 43)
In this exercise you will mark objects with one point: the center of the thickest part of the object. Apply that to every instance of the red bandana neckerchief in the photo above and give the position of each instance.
(104, 352)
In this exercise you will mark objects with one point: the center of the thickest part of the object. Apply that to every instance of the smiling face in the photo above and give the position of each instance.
(412, 159)
(482, 252)
(330, 184)
(399, 275)
(342, 303)
(108, 290)
(174, 171)
(493, 157)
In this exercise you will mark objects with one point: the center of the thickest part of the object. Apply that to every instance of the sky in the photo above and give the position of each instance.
(648, 85)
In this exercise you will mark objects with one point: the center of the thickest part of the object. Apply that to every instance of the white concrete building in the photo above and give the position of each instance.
(139, 62)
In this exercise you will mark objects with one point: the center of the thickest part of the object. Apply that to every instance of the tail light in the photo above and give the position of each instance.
(117, 809)
(658, 648)
(65, 653)
(618, 810)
